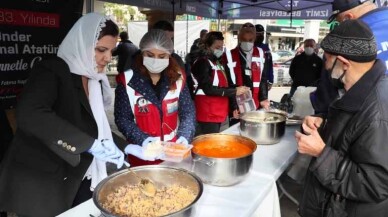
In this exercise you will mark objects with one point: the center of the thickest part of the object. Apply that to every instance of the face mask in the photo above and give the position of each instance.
(336, 80)
(155, 65)
(218, 53)
(246, 46)
(309, 51)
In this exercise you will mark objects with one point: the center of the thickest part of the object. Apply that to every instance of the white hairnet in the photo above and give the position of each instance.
(157, 39)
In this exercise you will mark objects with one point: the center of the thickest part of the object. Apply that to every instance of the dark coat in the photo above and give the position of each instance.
(203, 71)
(47, 160)
(354, 163)
(125, 50)
(305, 70)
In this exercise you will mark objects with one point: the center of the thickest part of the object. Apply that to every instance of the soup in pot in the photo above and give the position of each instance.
(222, 149)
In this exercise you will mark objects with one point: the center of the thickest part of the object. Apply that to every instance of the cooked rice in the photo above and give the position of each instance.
(129, 201)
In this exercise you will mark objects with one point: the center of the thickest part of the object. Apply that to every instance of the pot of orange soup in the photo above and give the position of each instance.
(222, 159)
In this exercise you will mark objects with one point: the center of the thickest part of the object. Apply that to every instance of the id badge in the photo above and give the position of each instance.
(172, 107)
(248, 72)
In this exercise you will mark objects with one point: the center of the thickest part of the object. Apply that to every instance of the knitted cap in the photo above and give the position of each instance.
(353, 40)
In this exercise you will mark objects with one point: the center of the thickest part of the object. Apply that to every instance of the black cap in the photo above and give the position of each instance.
(339, 6)
(259, 28)
(352, 39)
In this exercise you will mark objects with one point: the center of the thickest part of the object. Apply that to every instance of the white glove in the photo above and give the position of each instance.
(107, 151)
(182, 140)
(138, 151)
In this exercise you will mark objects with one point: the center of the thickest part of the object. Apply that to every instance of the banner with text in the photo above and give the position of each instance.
(30, 30)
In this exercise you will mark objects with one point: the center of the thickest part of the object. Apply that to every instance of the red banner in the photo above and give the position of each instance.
(28, 18)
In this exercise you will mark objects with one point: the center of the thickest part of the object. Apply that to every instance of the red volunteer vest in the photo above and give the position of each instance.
(257, 66)
(147, 115)
(213, 109)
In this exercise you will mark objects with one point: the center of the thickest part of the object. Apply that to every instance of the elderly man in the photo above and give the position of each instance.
(305, 68)
(245, 64)
(375, 18)
(348, 175)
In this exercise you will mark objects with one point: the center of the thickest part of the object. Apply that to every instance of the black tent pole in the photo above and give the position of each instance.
(219, 12)
(173, 10)
(292, 2)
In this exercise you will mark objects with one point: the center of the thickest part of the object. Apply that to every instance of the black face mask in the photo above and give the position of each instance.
(337, 82)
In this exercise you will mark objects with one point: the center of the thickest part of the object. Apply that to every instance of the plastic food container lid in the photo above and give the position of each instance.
(175, 152)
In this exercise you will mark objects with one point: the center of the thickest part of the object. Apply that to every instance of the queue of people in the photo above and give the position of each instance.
(348, 174)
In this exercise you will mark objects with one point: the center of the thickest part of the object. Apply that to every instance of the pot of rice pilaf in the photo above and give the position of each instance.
(119, 194)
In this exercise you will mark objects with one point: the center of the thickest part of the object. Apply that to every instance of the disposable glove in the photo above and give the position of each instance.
(137, 151)
(182, 140)
(107, 151)
(149, 139)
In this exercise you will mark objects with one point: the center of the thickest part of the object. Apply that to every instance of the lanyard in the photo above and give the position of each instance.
(246, 60)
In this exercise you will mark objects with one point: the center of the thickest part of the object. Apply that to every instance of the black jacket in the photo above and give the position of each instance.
(202, 72)
(125, 50)
(47, 160)
(354, 163)
(195, 46)
(305, 70)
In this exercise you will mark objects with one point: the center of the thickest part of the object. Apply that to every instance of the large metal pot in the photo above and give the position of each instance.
(160, 175)
(222, 171)
(263, 127)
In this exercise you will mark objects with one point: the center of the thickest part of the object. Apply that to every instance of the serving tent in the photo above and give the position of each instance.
(240, 9)
(243, 9)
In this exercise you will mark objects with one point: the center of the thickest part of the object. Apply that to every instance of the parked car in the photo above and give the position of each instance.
(281, 73)
(282, 55)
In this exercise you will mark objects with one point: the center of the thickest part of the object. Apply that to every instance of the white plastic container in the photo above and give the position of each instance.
(175, 152)
(301, 101)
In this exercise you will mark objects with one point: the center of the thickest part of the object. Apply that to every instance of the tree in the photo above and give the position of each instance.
(123, 13)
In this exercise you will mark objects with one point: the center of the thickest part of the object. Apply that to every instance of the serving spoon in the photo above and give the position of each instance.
(147, 187)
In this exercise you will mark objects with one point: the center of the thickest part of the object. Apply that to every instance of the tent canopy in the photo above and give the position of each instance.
(261, 9)
(242, 9)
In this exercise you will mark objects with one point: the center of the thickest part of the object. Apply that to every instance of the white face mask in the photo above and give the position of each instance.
(309, 51)
(155, 65)
(218, 53)
(246, 46)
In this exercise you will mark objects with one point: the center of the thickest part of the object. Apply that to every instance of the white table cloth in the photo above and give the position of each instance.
(256, 196)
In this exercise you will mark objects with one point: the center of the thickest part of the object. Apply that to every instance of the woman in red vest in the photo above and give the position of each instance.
(245, 64)
(214, 85)
(152, 101)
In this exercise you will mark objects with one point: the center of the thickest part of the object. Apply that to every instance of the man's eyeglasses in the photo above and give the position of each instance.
(248, 25)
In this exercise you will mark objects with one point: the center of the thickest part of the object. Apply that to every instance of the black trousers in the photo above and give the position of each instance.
(83, 193)
(207, 127)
